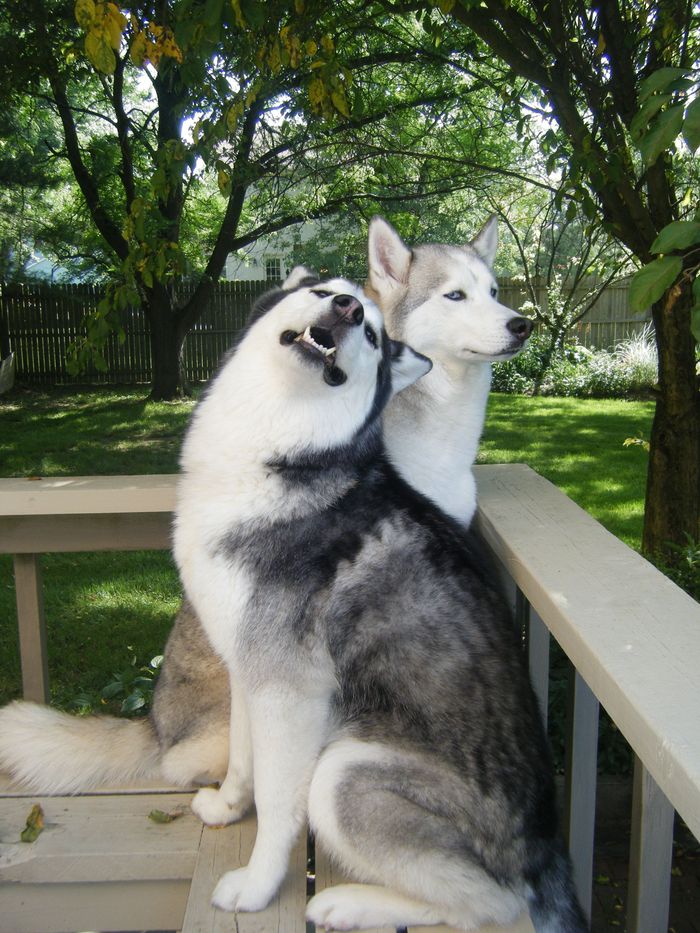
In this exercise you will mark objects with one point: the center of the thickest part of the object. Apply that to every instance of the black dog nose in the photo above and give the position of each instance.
(348, 308)
(520, 327)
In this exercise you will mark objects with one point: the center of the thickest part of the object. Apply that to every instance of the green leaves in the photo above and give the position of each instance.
(657, 125)
(661, 134)
(134, 684)
(652, 280)
(677, 235)
(648, 110)
(691, 125)
(661, 80)
(160, 816)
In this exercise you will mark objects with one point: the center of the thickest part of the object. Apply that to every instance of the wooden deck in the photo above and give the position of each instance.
(633, 639)
(102, 864)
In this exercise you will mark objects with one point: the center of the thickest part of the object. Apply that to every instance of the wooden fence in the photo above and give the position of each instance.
(39, 321)
(607, 322)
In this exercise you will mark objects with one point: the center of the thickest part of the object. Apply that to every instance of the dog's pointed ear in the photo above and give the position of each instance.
(298, 276)
(407, 366)
(389, 258)
(485, 243)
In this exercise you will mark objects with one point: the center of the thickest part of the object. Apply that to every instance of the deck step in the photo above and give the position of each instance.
(102, 864)
(99, 864)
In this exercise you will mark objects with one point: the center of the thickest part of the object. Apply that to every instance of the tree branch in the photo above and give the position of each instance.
(86, 182)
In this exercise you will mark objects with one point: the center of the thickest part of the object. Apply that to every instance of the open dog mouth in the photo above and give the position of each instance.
(318, 341)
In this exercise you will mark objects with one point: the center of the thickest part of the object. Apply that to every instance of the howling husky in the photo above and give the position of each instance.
(377, 679)
(440, 299)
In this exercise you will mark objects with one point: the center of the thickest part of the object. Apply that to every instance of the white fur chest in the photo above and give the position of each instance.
(224, 484)
(432, 433)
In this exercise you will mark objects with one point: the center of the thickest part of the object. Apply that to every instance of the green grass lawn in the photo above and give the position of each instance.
(105, 609)
(578, 445)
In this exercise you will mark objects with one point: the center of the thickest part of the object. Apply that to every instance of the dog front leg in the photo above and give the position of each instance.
(288, 732)
(235, 796)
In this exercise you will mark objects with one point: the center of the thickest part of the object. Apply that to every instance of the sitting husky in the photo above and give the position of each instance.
(440, 299)
(443, 300)
(377, 678)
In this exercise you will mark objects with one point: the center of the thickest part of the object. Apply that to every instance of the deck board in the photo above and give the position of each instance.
(229, 848)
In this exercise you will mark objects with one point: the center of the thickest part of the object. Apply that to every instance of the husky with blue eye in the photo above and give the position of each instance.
(377, 679)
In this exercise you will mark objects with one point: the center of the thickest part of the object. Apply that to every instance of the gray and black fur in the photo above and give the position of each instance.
(428, 664)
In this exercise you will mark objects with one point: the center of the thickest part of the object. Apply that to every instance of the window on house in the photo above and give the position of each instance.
(273, 270)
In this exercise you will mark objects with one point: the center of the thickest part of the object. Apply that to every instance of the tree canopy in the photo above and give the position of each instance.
(619, 83)
(295, 109)
(161, 105)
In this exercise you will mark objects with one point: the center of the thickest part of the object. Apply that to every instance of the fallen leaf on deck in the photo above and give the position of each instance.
(160, 816)
(35, 824)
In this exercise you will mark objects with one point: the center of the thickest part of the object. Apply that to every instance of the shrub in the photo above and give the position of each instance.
(520, 374)
(630, 370)
(639, 358)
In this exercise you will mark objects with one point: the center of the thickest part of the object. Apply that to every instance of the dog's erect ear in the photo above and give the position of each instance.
(485, 243)
(407, 366)
(297, 276)
(389, 258)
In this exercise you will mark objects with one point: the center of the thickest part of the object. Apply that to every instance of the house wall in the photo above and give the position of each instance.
(250, 263)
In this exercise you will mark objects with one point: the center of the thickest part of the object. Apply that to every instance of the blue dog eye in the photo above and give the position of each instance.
(371, 336)
(457, 295)
(494, 291)
(321, 293)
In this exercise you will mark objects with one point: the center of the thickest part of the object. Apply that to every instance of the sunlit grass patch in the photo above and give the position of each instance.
(578, 444)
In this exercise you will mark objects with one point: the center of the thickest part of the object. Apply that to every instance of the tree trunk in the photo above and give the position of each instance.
(167, 340)
(673, 481)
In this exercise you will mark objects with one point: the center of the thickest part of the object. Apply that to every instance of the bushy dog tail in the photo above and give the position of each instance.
(554, 906)
(50, 752)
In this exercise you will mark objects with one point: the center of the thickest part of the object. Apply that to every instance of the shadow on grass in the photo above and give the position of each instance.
(80, 433)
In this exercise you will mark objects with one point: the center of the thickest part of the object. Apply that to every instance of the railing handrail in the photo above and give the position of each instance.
(82, 495)
(632, 634)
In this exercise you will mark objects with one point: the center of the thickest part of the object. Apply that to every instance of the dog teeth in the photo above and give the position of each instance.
(307, 338)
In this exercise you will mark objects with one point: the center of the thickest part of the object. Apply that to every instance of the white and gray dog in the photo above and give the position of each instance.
(440, 299)
(378, 683)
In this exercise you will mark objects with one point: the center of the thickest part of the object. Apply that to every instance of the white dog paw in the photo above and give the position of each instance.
(237, 890)
(213, 809)
(334, 909)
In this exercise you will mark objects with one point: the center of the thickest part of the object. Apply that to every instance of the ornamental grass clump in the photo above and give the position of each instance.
(628, 371)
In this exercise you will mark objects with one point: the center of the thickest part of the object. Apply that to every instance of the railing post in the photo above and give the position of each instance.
(581, 773)
(538, 641)
(651, 853)
(32, 628)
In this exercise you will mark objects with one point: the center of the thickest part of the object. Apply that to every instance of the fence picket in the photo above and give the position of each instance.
(44, 318)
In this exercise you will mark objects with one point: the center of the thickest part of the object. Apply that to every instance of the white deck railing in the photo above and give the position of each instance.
(632, 636)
